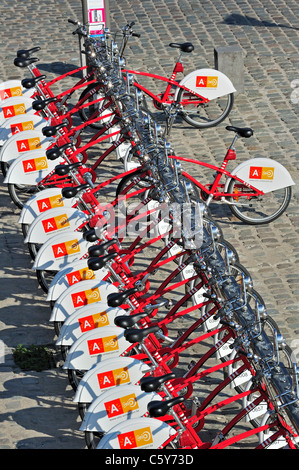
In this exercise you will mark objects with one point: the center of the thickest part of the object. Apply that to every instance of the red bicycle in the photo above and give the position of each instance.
(203, 98)
(257, 191)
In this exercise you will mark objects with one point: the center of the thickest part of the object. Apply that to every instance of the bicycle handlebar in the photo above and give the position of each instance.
(81, 31)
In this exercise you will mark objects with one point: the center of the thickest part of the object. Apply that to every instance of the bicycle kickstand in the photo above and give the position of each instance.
(171, 113)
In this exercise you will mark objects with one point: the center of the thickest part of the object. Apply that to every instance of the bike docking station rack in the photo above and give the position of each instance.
(96, 17)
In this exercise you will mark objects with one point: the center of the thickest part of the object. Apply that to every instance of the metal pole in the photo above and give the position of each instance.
(94, 13)
(84, 21)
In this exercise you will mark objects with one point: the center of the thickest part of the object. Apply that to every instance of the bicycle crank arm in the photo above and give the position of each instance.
(235, 203)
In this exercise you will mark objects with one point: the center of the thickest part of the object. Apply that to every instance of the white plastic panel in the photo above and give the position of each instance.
(94, 346)
(60, 250)
(15, 106)
(81, 294)
(43, 201)
(209, 83)
(21, 123)
(30, 168)
(264, 174)
(108, 374)
(71, 274)
(139, 433)
(115, 406)
(85, 319)
(13, 89)
(55, 221)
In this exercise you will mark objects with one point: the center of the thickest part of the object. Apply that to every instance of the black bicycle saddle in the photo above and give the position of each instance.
(184, 47)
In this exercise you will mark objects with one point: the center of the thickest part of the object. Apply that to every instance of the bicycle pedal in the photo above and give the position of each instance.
(191, 364)
(217, 439)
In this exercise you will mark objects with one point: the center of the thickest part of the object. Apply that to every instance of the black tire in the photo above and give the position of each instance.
(86, 113)
(223, 244)
(128, 179)
(82, 408)
(57, 327)
(45, 278)
(25, 228)
(237, 270)
(33, 249)
(74, 377)
(64, 351)
(206, 115)
(4, 167)
(92, 439)
(20, 194)
(255, 213)
(128, 186)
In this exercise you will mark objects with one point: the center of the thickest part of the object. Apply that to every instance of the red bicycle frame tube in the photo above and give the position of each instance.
(220, 171)
(45, 86)
(171, 82)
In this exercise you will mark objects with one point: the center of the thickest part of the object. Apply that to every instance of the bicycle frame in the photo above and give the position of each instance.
(213, 193)
(44, 88)
(166, 98)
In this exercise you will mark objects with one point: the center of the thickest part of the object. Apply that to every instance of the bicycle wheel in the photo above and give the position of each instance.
(25, 228)
(264, 436)
(33, 249)
(45, 278)
(238, 271)
(285, 359)
(135, 187)
(222, 245)
(258, 210)
(92, 439)
(130, 160)
(206, 114)
(86, 113)
(4, 168)
(20, 194)
(74, 377)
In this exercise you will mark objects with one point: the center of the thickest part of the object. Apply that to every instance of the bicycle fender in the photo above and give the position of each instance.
(264, 174)
(19, 124)
(115, 406)
(23, 143)
(30, 168)
(254, 411)
(122, 149)
(85, 319)
(279, 443)
(71, 274)
(13, 89)
(55, 221)
(43, 201)
(138, 433)
(79, 295)
(60, 250)
(209, 83)
(240, 379)
(109, 373)
(223, 348)
(15, 106)
(94, 346)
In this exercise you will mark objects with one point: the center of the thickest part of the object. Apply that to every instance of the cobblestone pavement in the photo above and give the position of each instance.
(36, 409)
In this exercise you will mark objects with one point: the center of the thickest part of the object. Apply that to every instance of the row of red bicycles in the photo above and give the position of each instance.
(165, 341)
